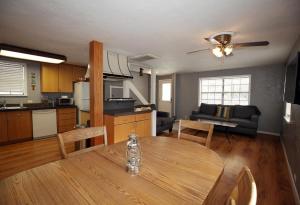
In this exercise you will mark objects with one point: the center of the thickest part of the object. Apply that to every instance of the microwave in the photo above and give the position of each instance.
(64, 101)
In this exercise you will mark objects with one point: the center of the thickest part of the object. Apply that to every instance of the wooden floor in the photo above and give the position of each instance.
(22, 156)
(263, 155)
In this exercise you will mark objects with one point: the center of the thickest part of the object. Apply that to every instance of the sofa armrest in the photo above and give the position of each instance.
(162, 114)
(254, 118)
(195, 112)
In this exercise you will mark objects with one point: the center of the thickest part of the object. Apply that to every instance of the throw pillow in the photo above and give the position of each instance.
(219, 111)
(226, 112)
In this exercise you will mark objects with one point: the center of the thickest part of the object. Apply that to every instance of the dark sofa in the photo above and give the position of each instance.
(245, 116)
(164, 122)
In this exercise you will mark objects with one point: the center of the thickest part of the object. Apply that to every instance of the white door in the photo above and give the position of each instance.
(165, 95)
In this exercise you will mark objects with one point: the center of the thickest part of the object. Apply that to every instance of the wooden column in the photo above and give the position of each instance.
(96, 87)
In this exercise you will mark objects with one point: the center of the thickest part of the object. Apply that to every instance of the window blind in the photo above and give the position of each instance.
(12, 79)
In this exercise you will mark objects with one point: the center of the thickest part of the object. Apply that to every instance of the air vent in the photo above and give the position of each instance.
(144, 57)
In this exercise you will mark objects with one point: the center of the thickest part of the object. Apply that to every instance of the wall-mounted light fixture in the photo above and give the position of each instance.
(30, 54)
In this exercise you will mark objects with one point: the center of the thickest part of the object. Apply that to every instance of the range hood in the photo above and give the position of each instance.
(115, 65)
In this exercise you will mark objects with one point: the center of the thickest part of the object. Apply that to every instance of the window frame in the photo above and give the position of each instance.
(25, 80)
(223, 77)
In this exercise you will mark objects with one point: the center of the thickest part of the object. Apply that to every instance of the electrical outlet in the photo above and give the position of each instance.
(295, 177)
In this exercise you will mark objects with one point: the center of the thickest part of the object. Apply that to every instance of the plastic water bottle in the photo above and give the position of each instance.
(133, 155)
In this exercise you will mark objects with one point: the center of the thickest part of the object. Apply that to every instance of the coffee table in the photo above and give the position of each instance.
(225, 124)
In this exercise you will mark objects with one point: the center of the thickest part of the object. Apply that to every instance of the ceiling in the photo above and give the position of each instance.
(167, 29)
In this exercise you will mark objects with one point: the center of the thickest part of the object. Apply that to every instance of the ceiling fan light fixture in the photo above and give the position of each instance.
(217, 51)
(228, 50)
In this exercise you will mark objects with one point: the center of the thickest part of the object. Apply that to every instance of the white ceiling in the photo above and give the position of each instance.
(164, 28)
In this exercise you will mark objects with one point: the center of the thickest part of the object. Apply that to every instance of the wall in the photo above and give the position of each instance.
(33, 95)
(291, 132)
(141, 83)
(266, 93)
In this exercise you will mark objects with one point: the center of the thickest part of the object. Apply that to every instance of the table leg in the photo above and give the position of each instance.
(227, 134)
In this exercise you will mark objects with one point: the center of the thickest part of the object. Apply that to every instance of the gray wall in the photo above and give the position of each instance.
(141, 83)
(291, 132)
(32, 95)
(266, 93)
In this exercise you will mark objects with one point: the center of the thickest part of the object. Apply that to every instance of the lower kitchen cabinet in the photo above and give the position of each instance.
(3, 127)
(66, 119)
(19, 125)
(119, 127)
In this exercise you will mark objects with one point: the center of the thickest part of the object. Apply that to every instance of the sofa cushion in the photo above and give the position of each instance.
(165, 120)
(208, 109)
(159, 121)
(244, 122)
(243, 112)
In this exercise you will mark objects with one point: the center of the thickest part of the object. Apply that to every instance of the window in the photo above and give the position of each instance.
(166, 92)
(232, 90)
(12, 79)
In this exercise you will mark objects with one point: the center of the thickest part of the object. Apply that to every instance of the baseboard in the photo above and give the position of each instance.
(295, 192)
(269, 133)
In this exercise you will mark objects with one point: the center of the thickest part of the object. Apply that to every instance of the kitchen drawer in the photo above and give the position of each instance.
(144, 116)
(66, 111)
(124, 119)
(67, 116)
(67, 122)
(65, 128)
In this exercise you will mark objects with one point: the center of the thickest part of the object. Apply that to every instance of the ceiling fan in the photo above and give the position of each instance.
(223, 45)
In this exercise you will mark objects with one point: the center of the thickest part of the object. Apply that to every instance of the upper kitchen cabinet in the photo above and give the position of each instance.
(49, 77)
(78, 72)
(59, 77)
(65, 78)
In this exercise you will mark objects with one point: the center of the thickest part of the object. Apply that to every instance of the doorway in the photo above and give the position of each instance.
(165, 95)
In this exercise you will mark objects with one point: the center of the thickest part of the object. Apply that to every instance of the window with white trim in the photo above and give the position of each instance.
(13, 80)
(228, 90)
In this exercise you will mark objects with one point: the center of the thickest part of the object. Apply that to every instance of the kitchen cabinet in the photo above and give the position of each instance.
(19, 125)
(78, 72)
(3, 127)
(49, 77)
(65, 78)
(60, 77)
(119, 127)
(66, 119)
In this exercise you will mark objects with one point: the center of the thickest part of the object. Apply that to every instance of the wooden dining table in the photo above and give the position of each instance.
(172, 172)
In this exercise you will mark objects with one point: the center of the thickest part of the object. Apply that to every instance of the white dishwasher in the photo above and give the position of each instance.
(44, 123)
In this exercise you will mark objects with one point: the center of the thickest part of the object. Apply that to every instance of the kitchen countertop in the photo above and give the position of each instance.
(36, 107)
(121, 112)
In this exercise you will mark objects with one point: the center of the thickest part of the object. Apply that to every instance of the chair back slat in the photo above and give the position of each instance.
(197, 125)
(244, 191)
(78, 135)
(81, 134)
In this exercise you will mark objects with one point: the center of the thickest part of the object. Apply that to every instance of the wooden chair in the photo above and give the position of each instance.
(244, 192)
(81, 134)
(196, 125)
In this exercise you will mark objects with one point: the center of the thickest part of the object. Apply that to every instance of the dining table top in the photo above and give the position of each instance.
(172, 172)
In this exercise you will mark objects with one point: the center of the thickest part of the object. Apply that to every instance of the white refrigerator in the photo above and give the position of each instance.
(82, 97)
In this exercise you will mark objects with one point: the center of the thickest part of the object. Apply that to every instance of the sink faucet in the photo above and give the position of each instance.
(3, 103)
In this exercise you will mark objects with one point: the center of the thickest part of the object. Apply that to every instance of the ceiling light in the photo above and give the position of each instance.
(228, 50)
(29, 54)
(217, 52)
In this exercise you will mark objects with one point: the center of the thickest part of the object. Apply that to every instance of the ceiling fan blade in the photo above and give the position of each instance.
(250, 44)
(196, 51)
